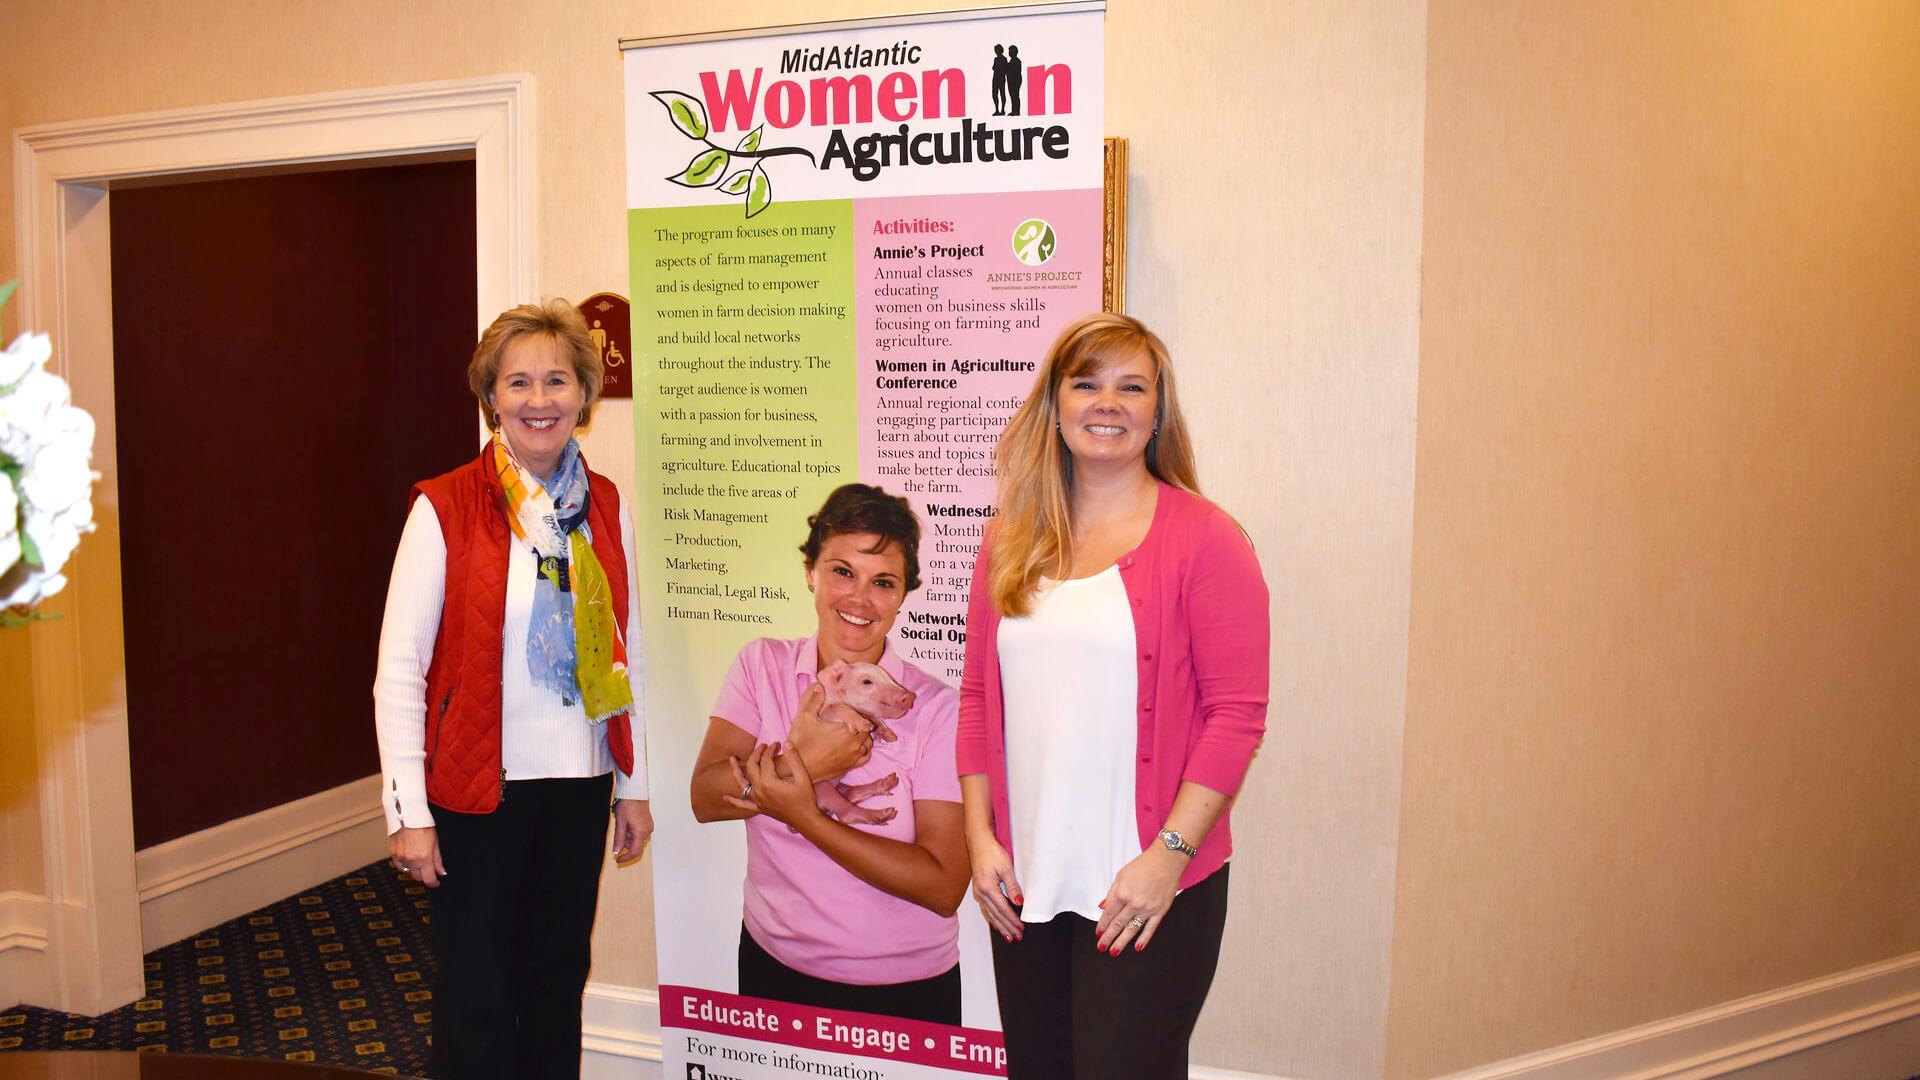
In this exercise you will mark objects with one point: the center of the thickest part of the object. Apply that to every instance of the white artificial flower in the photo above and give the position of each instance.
(60, 472)
(52, 443)
(29, 352)
(23, 586)
(25, 412)
(9, 526)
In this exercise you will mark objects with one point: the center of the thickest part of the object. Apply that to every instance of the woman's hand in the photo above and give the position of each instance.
(829, 749)
(1138, 899)
(994, 885)
(632, 825)
(417, 852)
(788, 799)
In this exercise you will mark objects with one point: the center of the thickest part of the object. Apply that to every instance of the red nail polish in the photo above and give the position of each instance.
(1137, 946)
(1116, 950)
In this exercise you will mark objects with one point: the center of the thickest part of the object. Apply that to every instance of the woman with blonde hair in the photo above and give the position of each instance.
(507, 708)
(1115, 690)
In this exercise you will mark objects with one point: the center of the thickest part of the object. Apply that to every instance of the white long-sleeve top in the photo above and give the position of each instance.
(540, 737)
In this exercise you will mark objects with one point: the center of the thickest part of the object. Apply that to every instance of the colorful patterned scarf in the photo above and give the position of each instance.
(574, 643)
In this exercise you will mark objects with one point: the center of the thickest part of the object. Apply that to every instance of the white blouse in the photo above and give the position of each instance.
(1069, 680)
(541, 737)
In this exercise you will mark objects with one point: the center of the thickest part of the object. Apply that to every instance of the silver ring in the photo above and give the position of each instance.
(1136, 922)
(747, 792)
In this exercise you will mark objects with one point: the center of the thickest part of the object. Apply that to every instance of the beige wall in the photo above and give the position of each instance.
(1660, 732)
(1275, 242)
(1647, 618)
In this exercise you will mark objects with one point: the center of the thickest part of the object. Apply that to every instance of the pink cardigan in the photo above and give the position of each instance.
(1200, 624)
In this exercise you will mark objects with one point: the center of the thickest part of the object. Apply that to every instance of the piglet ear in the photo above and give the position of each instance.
(833, 675)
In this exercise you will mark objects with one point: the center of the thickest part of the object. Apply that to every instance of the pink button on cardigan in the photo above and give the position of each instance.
(1200, 625)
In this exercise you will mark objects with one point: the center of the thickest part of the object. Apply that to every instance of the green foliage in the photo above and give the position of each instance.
(705, 169)
(759, 191)
(688, 114)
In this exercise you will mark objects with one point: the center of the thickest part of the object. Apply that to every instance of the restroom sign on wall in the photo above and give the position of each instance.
(610, 324)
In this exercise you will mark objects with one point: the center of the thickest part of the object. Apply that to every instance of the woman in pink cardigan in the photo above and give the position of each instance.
(1114, 693)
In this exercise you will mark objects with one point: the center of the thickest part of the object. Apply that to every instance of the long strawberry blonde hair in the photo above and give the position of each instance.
(1033, 529)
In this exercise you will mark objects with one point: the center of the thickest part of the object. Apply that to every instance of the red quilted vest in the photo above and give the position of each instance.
(463, 682)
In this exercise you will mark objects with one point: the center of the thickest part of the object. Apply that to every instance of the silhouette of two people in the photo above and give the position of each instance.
(1007, 77)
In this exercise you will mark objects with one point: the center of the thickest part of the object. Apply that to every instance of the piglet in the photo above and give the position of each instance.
(863, 698)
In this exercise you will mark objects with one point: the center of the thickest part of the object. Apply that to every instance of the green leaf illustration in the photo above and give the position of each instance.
(689, 115)
(752, 140)
(6, 291)
(737, 183)
(759, 191)
(705, 170)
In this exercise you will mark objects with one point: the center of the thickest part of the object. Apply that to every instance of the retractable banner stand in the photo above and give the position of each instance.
(851, 246)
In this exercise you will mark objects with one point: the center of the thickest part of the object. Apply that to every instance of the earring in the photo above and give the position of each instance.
(496, 419)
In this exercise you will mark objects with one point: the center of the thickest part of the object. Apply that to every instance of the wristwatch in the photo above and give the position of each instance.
(1176, 842)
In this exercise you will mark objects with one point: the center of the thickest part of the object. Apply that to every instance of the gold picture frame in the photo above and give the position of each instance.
(1113, 258)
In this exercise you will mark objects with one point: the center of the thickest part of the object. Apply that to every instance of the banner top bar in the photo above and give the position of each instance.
(1068, 7)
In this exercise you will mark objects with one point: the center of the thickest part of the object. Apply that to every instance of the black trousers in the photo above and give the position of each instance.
(1070, 1012)
(936, 999)
(513, 928)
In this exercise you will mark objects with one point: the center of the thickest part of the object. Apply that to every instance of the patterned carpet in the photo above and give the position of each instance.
(337, 975)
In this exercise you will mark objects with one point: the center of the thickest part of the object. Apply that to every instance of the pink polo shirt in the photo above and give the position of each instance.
(804, 908)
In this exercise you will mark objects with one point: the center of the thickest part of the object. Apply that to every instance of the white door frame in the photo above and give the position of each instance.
(89, 948)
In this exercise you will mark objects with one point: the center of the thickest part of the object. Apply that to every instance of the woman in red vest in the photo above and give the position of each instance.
(504, 699)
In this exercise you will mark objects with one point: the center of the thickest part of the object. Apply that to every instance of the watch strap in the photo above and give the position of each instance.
(1175, 842)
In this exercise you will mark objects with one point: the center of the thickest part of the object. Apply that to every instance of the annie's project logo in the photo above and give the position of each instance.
(1033, 241)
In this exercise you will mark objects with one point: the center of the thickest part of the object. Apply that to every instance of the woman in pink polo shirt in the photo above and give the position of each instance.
(843, 916)
(1114, 692)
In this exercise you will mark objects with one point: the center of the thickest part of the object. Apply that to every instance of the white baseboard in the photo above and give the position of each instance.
(620, 1033)
(1737, 1035)
(202, 880)
(24, 971)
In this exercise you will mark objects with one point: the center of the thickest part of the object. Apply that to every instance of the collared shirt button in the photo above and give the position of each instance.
(1148, 707)
(1139, 600)
(1146, 656)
